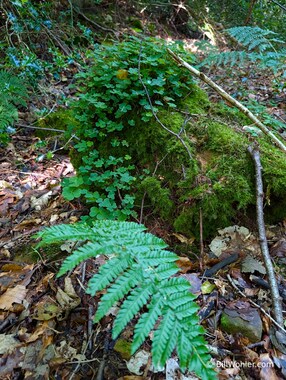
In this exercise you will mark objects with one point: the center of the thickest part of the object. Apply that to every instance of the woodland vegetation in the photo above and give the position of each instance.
(142, 189)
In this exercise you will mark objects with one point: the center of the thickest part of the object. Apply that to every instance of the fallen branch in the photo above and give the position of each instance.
(230, 99)
(92, 22)
(275, 296)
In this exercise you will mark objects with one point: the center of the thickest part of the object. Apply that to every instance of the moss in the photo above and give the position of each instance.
(61, 119)
(219, 179)
(231, 114)
(29, 254)
(157, 196)
(197, 102)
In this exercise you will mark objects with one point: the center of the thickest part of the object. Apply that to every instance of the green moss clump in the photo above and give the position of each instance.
(197, 101)
(61, 119)
(157, 196)
(226, 182)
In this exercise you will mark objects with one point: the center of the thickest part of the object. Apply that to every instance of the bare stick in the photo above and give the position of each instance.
(202, 264)
(230, 99)
(276, 299)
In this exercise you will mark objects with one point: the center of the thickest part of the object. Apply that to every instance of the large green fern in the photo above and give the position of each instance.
(140, 272)
(12, 94)
(260, 45)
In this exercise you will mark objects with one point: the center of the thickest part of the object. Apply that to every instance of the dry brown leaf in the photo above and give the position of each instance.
(5, 185)
(13, 295)
(195, 282)
(47, 309)
(185, 264)
(26, 224)
(184, 239)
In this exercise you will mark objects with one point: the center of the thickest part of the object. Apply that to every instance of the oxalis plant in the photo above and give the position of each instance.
(142, 275)
(110, 101)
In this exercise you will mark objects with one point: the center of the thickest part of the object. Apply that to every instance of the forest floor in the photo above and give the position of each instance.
(46, 329)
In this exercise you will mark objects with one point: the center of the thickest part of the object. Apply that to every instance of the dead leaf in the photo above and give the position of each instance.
(185, 264)
(67, 299)
(7, 343)
(138, 362)
(26, 224)
(195, 282)
(5, 185)
(250, 265)
(267, 370)
(184, 239)
(47, 309)
(39, 203)
(207, 287)
(13, 295)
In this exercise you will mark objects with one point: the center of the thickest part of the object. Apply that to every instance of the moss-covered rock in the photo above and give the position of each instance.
(128, 160)
(246, 322)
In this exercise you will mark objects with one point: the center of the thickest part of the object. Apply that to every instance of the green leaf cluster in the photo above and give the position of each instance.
(111, 101)
(13, 94)
(141, 274)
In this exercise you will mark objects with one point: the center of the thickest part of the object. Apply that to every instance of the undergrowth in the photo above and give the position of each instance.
(143, 276)
(111, 101)
(13, 95)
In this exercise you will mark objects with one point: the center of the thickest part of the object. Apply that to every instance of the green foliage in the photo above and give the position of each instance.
(13, 94)
(261, 46)
(112, 104)
(140, 273)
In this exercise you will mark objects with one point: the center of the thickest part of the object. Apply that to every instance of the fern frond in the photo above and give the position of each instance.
(261, 46)
(63, 232)
(154, 258)
(175, 285)
(253, 37)
(110, 229)
(8, 115)
(139, 272)
(13, 89)
(85, 252)
(165, 271)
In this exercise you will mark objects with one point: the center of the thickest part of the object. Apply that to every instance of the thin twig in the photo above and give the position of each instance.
(255, 304)
(230, 99)
(201, 242)
(41, 128)
(94, 23)
(152, 108)
(276, 299)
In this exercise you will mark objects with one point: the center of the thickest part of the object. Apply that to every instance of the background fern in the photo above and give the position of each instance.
(140, 271)
(13, 93)
(260, 45)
